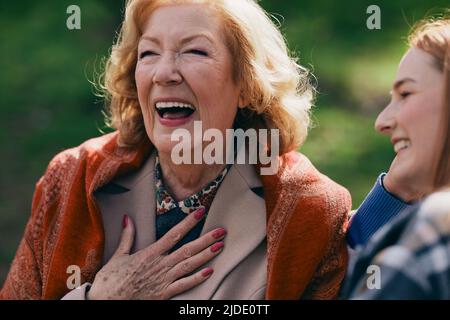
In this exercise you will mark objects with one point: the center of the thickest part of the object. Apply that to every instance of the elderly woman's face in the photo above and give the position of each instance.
(184, 73)
(412, 118)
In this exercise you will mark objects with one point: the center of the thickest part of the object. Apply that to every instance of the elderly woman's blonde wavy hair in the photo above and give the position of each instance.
(277, 89)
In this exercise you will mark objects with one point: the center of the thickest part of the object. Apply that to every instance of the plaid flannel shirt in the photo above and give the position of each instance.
(409, 258)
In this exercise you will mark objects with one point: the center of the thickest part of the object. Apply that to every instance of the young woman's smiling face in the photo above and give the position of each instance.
(184, 73)
(413, 117)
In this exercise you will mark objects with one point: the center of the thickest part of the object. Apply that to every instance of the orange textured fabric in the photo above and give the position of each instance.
(306, 222)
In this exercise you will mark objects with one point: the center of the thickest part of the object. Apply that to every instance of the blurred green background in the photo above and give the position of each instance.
(48, 104)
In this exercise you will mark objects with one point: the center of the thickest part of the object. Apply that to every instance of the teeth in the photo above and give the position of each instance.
(166, 105)
(401, 144)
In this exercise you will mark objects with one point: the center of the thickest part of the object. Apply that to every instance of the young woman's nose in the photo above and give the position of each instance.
(166, 72)
(385, 122)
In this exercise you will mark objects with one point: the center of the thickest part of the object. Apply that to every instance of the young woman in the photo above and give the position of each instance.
(409, 258)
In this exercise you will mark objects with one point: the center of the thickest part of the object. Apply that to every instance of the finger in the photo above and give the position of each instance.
(187, 283)
(127, 239)
(192, 248)
(187, 266)
(171, 238)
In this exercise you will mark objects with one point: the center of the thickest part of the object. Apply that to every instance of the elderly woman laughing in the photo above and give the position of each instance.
(136, 225)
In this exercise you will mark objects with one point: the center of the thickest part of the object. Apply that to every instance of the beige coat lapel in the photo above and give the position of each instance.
(243, 214)
(139, 203)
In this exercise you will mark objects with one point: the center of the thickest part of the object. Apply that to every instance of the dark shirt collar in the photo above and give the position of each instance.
(204, 198)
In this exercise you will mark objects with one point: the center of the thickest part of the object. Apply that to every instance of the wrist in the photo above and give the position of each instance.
(89, 295)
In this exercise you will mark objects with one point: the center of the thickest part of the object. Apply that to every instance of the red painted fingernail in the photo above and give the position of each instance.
(125, 221)
(219, 233)
(200, 213)
(207, 272)
(217, 246)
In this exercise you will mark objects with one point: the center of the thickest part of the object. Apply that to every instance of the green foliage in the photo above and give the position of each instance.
(344, 145)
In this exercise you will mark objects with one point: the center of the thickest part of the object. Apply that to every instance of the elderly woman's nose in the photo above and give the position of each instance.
(385, 122)
(166, 72)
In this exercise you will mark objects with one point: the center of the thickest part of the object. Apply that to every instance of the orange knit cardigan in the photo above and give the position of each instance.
(306, 224)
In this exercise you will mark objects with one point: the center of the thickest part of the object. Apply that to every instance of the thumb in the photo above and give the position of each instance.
(127, 239)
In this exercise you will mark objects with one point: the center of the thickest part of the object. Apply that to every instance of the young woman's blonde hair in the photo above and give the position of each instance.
(277, 89)
(433, 37)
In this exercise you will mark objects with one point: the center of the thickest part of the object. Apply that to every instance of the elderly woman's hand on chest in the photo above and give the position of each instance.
(151, 273)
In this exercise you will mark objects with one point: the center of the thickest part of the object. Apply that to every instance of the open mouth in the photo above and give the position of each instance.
(174, 110)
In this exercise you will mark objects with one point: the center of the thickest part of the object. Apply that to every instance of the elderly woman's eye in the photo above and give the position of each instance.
(146, 53)
(198, 52)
